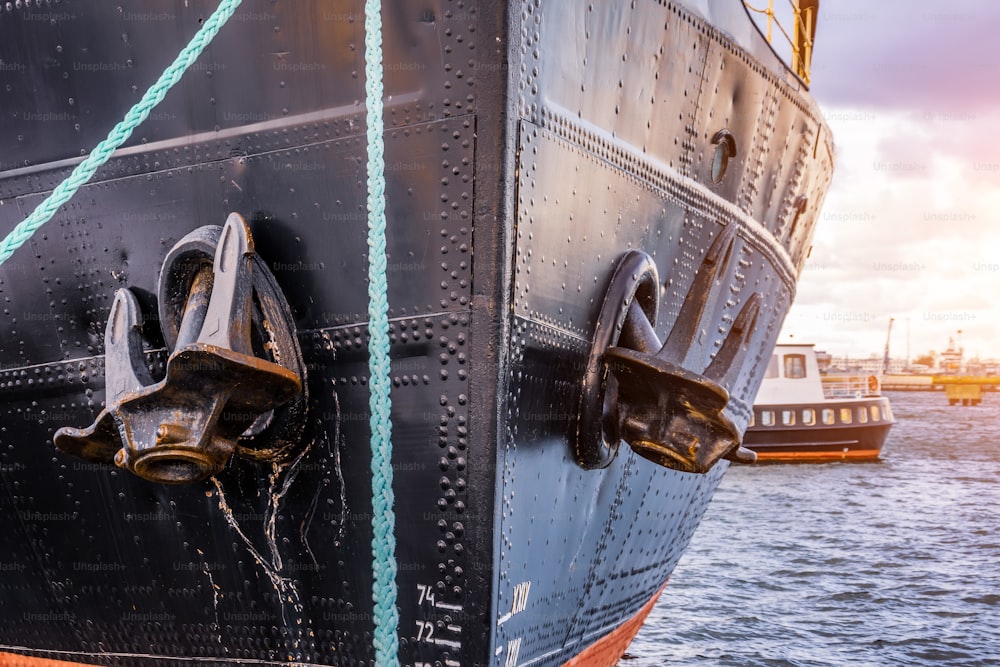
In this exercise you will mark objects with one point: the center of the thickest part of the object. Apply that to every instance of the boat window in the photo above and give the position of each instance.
(862, 415)
(772, 367)
(876, 413)
(888, 413)
(828, 416)
(845, 416)
(795, 366)
(767, 418)
(788, 417)
(808, 416)
(753, 420)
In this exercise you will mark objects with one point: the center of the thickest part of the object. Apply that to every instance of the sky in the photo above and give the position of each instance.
(909, 228)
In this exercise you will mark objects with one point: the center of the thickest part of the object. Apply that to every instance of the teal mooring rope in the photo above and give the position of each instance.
(122, 131)
(383, 518)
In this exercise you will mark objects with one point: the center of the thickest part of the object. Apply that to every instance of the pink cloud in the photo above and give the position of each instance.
(899, 54)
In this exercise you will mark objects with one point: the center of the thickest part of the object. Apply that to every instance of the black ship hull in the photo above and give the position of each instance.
(527, 150)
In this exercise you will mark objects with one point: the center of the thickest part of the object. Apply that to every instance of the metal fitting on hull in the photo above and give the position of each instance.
(186, 427)
(636, 389)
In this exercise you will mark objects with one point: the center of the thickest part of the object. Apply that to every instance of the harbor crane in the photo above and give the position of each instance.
(885, 355)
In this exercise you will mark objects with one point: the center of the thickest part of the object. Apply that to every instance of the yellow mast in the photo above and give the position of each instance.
(803, 32)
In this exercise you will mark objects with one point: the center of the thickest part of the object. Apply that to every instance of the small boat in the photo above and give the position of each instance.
(800, 415)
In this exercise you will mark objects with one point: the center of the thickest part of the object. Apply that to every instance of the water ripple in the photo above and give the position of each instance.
(894, 563)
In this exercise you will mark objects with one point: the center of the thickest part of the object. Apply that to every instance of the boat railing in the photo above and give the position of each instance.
(851, 386)
(803, 19)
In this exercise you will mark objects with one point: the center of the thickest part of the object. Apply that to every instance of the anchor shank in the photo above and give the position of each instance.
(195, 308)
(637, 332)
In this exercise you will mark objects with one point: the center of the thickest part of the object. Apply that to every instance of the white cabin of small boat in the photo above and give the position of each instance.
(792, 376)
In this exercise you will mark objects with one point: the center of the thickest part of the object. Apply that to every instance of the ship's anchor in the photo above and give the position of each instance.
(234, 360)
(637, 389)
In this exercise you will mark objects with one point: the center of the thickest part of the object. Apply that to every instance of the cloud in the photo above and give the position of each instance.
(907, 231)
(905, 55)
(909, 228)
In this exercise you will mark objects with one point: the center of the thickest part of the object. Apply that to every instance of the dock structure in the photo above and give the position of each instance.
(909, 383)
(964, 394)
(959, 389)
(967, 389)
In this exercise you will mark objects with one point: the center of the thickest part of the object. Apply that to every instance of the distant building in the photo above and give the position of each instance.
(823, 360)
(950, 360)
(866, 366)
(977, 366)
(897, 366)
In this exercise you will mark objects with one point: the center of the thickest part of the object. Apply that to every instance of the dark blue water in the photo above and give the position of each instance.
(889, 563)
